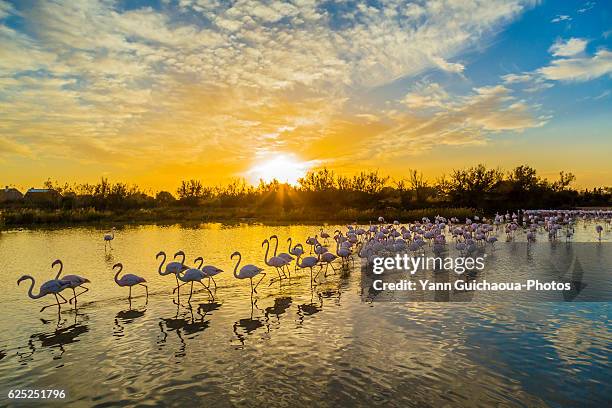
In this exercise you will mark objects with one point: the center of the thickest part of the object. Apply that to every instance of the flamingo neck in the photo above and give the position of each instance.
(117, 275)
(162, 264)
(236, 267)
(275, 246)
(289, 240)
(60, 270)
(266, 254)
(31, 290)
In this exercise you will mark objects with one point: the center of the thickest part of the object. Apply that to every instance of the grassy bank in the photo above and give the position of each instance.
(15, 218)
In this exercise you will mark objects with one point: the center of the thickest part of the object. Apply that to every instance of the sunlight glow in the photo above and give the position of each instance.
(285, 169)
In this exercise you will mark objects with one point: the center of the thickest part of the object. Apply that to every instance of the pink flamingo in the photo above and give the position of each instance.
(52, 287)
(129, 280)
(74, 280)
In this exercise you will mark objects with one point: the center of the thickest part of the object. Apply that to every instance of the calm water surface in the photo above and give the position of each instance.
(296, 345)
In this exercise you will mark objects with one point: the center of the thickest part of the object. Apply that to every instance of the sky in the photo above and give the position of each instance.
(153, 92)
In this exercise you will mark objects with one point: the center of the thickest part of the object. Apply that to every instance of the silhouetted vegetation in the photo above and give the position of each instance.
(320, 195)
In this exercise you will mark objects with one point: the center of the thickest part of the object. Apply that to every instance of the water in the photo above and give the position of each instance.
(297, 345)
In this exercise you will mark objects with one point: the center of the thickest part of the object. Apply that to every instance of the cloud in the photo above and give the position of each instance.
(444, 65)
(11, 147)
(217, 77)
(426, 95)
(571, 64)
(516, 78)
(568, 48)
(560, 18)
(455, 120)
(579, 69)
(586, 7)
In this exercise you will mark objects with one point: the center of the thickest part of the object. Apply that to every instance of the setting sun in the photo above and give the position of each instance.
(286, 169)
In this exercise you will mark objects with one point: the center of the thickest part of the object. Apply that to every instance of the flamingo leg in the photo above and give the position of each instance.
(262, 276)
(208, 289)
(80, 293)
(146, 289)
(130, 295)
(190, 293)
(213, 280)
(178, 287)
(58, 303)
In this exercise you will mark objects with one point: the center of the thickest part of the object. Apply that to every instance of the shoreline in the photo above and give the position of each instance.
(40, 218)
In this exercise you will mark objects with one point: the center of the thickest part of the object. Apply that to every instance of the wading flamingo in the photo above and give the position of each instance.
(275, 261)
(192, 275)
(172, 267)
(247, 272)
(129, 280)
(296, 251)
(74, 280)
(209, 270)
(599, 230)
(108, 237)
(283, 255)
(308, 262)
(52, 287)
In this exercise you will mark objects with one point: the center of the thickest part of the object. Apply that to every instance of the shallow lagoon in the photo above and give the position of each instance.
(296, 345)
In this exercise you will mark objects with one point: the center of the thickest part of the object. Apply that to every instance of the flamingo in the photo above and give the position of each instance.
(192, 275)
(296, 251)
(129, 280)
(599, 230)
(283, 255)
(324, 235)
(312, 241)
(274, 261)
(327, 258)
(172, 267)
(209, 270)
(54, 287)
(108, 237)
(247, 272)
(74, 280)
(307, 262)
(342, 251)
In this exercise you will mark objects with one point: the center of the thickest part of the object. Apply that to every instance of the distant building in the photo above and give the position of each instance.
(9, 194)
(43, 196)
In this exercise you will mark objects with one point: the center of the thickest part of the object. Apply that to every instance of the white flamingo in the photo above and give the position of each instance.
(108, 237)
(129, 280)
(52, 287)
(247, 272)
(74, 280)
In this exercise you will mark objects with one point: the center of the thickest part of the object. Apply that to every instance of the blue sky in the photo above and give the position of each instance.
(117, 88)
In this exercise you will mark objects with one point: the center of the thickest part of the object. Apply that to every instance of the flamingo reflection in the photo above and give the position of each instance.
(245, 327)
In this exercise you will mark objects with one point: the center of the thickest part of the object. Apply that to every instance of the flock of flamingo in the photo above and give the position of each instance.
(377, 239)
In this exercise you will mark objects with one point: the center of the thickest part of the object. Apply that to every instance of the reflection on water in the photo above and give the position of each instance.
(292, 345)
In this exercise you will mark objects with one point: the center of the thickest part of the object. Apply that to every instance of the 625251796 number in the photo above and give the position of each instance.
(36, 394)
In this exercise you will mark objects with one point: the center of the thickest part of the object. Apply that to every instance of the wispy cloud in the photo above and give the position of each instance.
(568, 48)
(560, 18)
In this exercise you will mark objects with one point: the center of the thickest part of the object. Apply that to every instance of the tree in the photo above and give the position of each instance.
(565, 179)
(164, 198)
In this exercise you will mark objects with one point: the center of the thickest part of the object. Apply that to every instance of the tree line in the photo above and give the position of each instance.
(323, 189)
